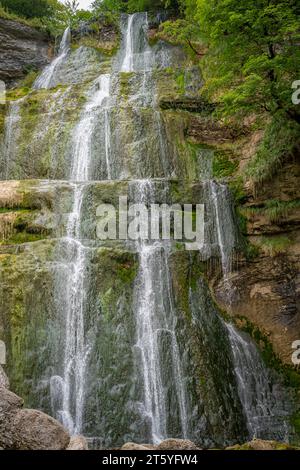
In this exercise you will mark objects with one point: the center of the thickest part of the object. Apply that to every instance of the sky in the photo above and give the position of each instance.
(84, 4)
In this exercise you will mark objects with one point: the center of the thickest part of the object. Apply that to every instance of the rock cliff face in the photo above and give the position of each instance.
(265, 285)
(22, 48)
(153, 126)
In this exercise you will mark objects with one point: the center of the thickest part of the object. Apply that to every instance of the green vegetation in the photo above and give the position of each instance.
(223, 166)
(279, 143)
(30, 8)
(50, 16)
(23, 237)
(132, 6)
(274, 245)
(249, 57)
(274, 209)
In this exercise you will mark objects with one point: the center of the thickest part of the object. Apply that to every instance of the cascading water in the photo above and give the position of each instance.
(47, 78)
(262, 407)
(262, 404)
(155, 324)
(84, 131)
(138, 360)
(72, 385)
(138, 55)
(225, 224)
(11, 130)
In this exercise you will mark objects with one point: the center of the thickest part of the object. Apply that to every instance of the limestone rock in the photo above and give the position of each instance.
(260, 444)
(9, 404)
(4, 382)
(34, 430)
(9, 401)
(21, 48)
(77, 443)
(177, 444)
(133, 446)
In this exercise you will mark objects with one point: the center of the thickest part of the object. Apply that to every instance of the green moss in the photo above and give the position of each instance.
(278, 145)
(125, 83)
(223, 166)
(23, 237)
(106, 48)
(120, 263)
(295, 421)
(30, 78)
(180, 80)
(274, 209)
(4, 210)
(237, 190)
(17, 93)
(274, 245)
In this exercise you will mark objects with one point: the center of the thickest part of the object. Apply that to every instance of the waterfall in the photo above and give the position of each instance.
(225, 224)
(262, 405)
(77, 348)
(155, 323)
(127, 65)
(138, 54)
(47, 78)
(135, 359)
(84, 131)
(11, 131)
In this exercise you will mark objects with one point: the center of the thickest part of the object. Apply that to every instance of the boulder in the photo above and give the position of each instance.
(77, 443)
(133, 446)
(260, 444)
(4, 382)
(177, 444)
(9, 401)
(34, 430)
(9, 404)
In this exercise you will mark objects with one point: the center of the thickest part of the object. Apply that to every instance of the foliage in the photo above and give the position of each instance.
(253, 53)
(29, 8)
(274, 209)
(132, 6)
(223, 166)
(54, 22)
(275, 245)
(280, 140)
(250, 57)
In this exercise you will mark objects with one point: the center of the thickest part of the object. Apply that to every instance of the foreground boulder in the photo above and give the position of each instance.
(177, 444)
(35, 430)
(23, 429)
(260, 444)
(133, 446)
(78, 443)
(4, 382)
(168, 444)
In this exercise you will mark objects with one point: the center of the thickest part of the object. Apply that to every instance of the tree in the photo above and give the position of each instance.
(28, 8)
(253, 55)
(72, 6)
